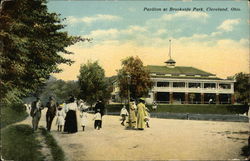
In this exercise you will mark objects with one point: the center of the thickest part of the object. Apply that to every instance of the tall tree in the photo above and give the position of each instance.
(31, 40)
(242, 86)
(60, 89)
(134, 78)
(92, 83)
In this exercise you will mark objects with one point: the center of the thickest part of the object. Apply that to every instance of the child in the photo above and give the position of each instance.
(83, 114)
(98, 119)
(147, 117)
(123, 114)
(60, 118)
(154, 106)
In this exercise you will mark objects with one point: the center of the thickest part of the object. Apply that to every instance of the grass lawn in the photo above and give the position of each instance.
(19, 144)
(194, 109)
(12, 113)
(56, 151)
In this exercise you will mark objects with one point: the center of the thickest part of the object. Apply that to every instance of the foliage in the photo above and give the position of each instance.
(195, 109)
(60, 89)
(93, 85)
(31, 40)
(19, 143)
(242, 86)
(135, 77)
(11, 113)
(56, 151)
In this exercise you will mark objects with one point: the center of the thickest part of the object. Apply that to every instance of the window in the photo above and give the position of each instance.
(162, 84)
(178, 84)
(209, 85)
(194, 85)
(224, 86)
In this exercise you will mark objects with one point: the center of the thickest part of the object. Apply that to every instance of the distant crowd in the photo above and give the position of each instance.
(137, 116)
(65, 113)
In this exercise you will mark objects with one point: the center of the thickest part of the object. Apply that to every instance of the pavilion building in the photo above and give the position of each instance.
(186, 85)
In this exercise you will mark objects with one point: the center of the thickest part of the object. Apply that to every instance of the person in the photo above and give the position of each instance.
(141, 114)
(123, 114)
(70, 124)
(100, 107)
(83, 114)
(35, 113)
(27, 107)
(60, 118)
(147, 117)
(210, 101)
(51, 112)
(154, 106)
(132, 114)
(98, 119)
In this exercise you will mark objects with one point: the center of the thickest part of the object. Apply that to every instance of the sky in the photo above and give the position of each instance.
(211, 36)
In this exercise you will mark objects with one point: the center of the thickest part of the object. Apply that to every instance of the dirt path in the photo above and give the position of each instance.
(166, 139)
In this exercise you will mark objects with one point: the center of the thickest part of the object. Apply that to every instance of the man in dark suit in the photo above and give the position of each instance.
(51, 112)
(99, 107)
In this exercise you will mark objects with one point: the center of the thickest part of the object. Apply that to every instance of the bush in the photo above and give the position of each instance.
(194, 109)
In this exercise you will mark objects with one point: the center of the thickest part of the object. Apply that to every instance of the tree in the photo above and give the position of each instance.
(31, 40)
(60, 89)
(242, 86)
(134, 78)
(92, 83)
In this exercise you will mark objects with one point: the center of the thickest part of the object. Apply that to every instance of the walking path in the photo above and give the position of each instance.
(166, 139)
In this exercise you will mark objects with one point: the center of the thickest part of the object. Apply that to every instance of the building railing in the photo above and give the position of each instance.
(186, 89)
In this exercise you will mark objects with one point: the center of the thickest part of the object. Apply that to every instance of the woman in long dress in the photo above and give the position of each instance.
(141, 113)
(132, 113)
(70, 125)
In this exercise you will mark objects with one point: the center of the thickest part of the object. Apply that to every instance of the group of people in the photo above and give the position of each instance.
(35, 112)
(66, 117)
(138, 115)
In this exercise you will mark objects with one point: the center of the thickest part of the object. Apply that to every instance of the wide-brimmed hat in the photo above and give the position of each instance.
(143, 99)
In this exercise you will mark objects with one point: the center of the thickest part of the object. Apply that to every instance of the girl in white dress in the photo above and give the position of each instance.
(83, 114)
(60, 118)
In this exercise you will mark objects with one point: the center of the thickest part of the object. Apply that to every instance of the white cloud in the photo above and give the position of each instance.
(115, 34)
(191, 15)
(161, 32)
(100, 17)
(134, 29)
(90, 19)
(107, 34)
(72, 20)
(228, 24)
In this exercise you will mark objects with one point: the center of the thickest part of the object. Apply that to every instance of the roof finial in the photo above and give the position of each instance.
(170, 62)
(169, 53)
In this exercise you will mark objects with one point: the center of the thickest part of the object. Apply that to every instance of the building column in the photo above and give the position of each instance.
(217, 99)
(232, 98)
(170, 97)
(155, 96)
(202, 98)
(186, 98)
